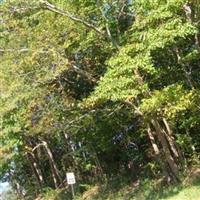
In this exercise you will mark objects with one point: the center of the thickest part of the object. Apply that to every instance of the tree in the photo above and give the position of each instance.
(84, 83)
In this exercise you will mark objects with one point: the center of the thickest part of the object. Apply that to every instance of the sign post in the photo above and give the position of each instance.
(71, 181)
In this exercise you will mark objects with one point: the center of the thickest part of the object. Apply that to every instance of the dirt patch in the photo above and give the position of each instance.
(88, 195)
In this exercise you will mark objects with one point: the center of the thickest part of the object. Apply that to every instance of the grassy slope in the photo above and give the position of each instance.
(189, 189)
(128, 193)
(177, 193)
(191, 193)
(120, 189)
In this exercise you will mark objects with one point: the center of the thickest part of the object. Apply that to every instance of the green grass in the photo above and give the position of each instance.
(122, 189)
(190, 193)
(144, 192)
(147, 190)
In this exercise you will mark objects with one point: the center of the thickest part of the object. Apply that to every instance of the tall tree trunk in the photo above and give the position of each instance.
(169, 158)
(174, 147)
(173, 167)
(19, 190)
(35, 168)
(153, 141)
(55, 173)
(54, 170)
(157, 152)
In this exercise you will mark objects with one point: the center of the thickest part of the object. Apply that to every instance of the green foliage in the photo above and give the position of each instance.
(88, 78)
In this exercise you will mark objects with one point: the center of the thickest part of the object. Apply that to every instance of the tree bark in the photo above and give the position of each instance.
(153, 142)
(169, 158)
(55, 173)
(174, 147)
(173, 167)
(54, 170)
(35, 168)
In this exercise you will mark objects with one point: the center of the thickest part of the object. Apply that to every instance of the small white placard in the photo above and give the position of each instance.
(71, 178)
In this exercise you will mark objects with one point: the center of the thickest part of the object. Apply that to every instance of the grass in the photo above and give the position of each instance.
(121, 189)
(127, 193)
(190, 193)
(189, 189)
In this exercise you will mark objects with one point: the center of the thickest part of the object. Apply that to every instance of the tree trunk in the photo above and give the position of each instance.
(161, 135)
(169, 158)
(55, 173)
(153, 142)
(35, 168)
(174, 147)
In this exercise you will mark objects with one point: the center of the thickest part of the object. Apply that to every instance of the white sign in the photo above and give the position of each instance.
(71, 178)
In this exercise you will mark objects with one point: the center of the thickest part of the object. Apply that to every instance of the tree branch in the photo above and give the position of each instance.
(37, 146)
(114, 42)
(83, 73)
(53, 8)
(23, 10)
(136, 109)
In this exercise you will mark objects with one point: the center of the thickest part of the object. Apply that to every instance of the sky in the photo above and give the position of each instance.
(4, 187)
